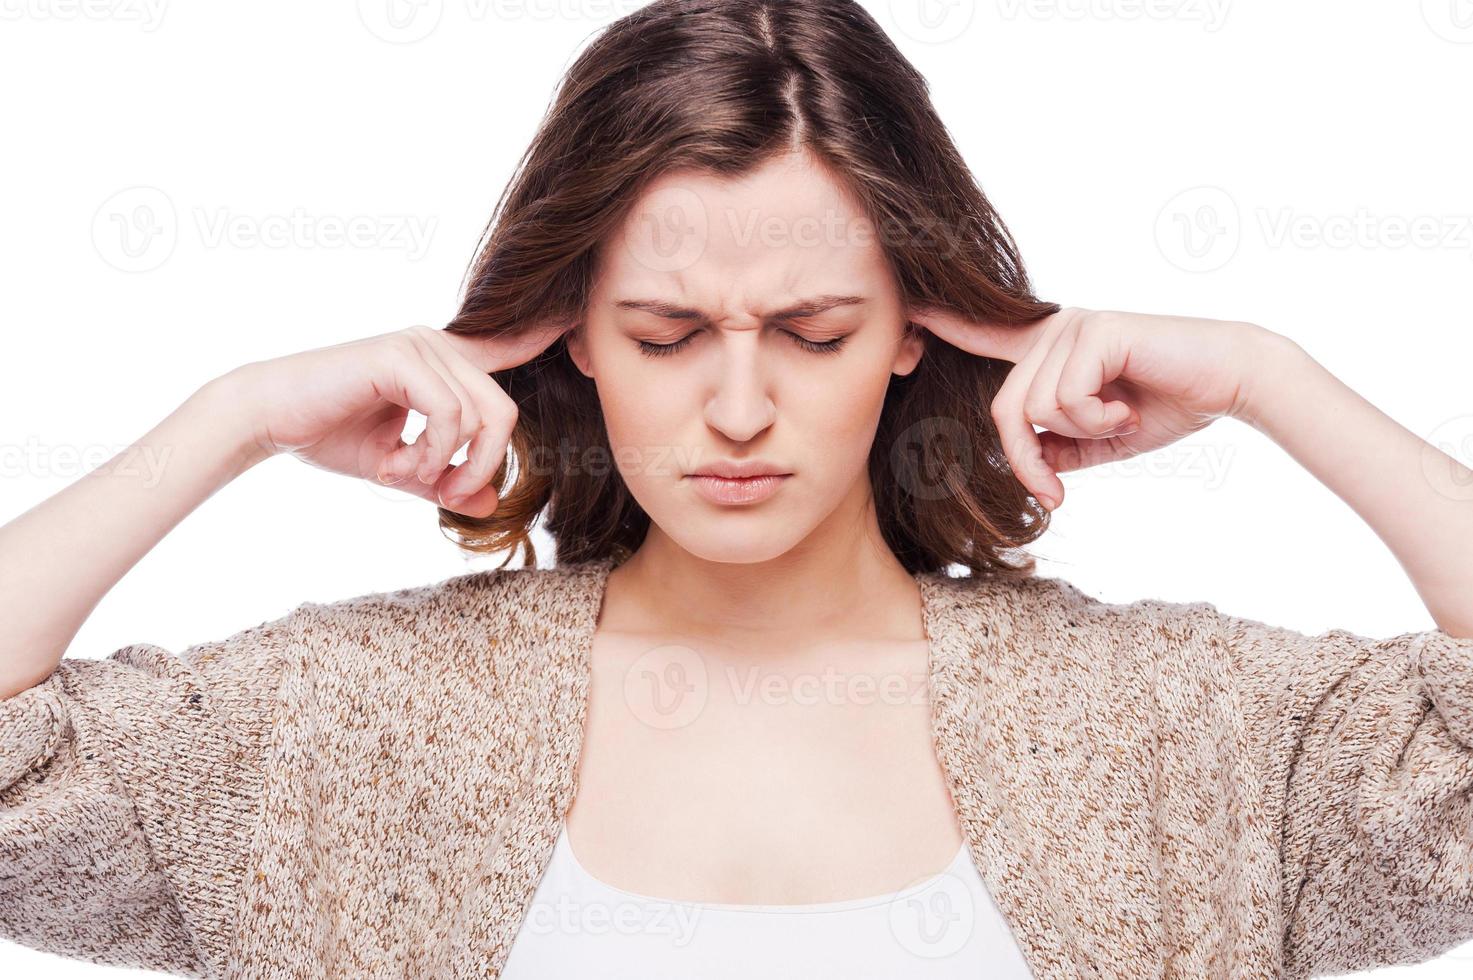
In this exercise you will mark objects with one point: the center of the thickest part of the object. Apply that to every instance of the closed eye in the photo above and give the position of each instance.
(817, 347)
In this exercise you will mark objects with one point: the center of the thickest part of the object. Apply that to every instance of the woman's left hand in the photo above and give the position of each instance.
(1105, 385)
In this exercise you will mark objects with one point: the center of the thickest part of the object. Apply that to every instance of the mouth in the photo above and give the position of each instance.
(736, 490)
(741, 469)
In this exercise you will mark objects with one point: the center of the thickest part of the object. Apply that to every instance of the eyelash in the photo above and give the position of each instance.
(663, 350)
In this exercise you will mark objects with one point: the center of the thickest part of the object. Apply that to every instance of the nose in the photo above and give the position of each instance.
(740, 406)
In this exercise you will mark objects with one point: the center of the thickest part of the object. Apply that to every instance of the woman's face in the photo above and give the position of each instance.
(778, 324)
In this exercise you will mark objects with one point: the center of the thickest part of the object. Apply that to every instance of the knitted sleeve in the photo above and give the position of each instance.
(1369, 745)
(128, 791)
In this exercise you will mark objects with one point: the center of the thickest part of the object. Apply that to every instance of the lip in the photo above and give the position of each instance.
(739, 468)
(732, 491)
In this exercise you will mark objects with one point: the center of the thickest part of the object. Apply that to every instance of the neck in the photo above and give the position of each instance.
(841, 579)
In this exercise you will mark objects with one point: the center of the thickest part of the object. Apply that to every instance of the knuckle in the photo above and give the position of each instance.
(1038, 406)
(449, 409)
(506, 406)
(1074, 402)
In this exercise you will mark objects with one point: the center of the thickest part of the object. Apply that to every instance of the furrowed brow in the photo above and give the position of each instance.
(812, 306)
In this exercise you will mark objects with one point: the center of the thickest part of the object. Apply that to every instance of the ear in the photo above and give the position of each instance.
(908, 353)
(577, 343)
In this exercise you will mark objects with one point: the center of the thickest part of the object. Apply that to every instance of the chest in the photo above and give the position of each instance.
(760, 776)
(1098, 803)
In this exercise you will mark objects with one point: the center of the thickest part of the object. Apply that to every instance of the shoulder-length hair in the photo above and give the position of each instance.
(721, 86)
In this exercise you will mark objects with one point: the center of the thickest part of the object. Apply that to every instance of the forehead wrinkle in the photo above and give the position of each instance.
(805, 306)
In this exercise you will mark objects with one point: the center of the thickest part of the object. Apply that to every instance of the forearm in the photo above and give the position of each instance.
(58, 559)
(1417, 499)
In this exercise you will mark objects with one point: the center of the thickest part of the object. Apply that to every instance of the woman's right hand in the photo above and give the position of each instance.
(343, 408)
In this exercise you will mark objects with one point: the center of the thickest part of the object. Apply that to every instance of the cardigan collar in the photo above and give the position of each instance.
(963, 648)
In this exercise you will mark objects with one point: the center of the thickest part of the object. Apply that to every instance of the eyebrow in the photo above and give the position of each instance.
(807, 307)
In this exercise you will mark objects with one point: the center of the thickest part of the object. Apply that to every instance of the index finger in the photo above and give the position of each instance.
(1003, 341)
(498, 351)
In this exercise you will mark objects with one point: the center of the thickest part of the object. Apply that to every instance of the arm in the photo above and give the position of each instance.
(1365, 745)
(129, 785)
(1416, 498)
(96, 529)
(1110, 385)
(1366, 750)
(126, 783)
(341, 408)
(1369, 740)
(128, 795)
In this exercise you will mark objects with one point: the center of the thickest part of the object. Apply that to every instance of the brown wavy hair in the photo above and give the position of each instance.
(721, 86)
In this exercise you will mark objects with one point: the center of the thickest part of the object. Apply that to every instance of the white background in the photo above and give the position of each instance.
(1296, 142)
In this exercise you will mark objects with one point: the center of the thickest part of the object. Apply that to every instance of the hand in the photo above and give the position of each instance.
(342, 408)
(1105, 385)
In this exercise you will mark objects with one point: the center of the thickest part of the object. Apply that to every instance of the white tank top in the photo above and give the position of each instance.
(945, 925)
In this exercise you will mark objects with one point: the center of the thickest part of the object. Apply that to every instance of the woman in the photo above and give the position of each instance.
(747, 336)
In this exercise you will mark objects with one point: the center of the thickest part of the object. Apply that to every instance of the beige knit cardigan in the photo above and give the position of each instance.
(373, 786)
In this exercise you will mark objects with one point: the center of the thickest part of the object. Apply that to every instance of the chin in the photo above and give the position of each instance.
(735, 538)
(738, 554)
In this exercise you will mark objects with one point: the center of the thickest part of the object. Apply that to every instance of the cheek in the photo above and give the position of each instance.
(836, 420)
(850, 417)
(646, 418)
(857, 387)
